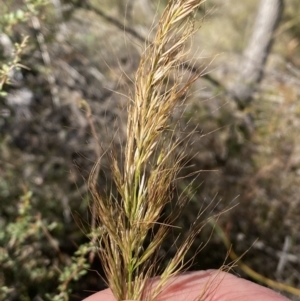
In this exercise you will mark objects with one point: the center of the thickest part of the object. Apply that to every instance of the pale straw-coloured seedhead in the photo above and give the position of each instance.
(131, 234)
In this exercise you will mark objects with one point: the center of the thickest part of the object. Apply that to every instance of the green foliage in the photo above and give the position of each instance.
(19, 242)
(24, 260)
(10, 65)
(9, 18)
(72, 272)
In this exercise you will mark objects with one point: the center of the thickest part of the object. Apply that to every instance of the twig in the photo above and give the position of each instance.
(283, 256)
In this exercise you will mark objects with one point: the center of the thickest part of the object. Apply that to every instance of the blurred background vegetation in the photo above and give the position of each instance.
(246, 111)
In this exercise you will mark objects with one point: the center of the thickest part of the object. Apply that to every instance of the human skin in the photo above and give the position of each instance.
(206, 286)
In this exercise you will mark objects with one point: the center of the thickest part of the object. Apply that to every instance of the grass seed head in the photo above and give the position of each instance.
(145, 183)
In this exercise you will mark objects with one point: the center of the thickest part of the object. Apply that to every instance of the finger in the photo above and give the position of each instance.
(216, 286)
(206, 286)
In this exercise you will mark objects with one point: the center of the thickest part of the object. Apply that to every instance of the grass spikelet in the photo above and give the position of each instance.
(145, 182)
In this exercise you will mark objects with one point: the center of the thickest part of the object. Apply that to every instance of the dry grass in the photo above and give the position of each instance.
(146, 181)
